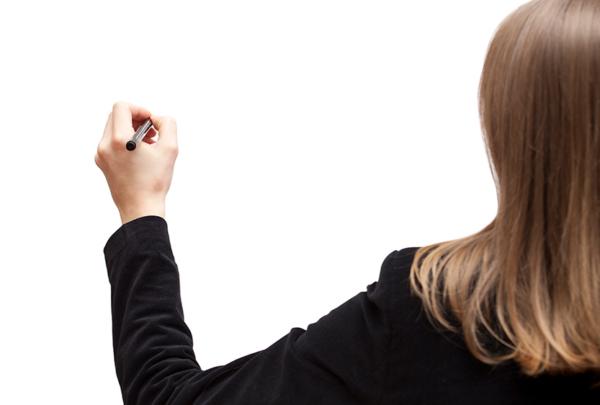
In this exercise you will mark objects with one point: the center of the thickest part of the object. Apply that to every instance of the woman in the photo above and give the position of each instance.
(512, 311)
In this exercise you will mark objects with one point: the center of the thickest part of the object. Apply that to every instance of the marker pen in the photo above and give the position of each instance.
(139, 135)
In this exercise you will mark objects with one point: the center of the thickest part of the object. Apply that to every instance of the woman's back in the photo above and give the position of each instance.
(432, 366)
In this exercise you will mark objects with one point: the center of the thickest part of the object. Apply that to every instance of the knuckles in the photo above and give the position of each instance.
(115, 143)
(98, 159)
(172, 149)
(119, 104)
(101, 151)
(169, 121)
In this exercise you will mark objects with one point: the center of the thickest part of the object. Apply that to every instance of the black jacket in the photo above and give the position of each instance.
(376, 348)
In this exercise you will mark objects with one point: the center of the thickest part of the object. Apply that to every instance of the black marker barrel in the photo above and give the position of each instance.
(139, 135)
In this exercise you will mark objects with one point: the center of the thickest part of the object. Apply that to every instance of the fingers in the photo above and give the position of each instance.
(167, 131)
(107, 128)
(149, 135)
(137, 123)
(123, 116)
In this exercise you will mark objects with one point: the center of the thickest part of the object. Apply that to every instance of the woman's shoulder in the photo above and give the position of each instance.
(395, 270)
(405, 307)
(405, 254)
(442, 354)
(410, 323)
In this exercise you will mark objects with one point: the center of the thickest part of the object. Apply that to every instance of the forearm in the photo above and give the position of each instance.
(152, 344)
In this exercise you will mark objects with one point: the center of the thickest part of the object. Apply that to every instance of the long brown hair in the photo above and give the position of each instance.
(530, 279)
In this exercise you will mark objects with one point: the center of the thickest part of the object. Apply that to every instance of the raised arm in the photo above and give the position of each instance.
(340, 359)
(152, 345)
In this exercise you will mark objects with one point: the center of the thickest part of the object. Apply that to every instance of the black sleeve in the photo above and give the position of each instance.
(340, 359)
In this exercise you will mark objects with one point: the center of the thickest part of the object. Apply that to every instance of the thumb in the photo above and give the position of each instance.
(167, 130)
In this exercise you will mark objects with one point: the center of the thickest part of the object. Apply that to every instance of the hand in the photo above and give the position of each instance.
(140, 179)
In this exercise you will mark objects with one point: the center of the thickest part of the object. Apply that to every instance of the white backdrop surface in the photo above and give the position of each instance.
(315, 138)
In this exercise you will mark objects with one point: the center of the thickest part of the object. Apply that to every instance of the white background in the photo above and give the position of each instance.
(315, 138)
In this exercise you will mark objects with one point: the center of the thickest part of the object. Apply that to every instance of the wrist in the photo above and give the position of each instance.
(130, 213)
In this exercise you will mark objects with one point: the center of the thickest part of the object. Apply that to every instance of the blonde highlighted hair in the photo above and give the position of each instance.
(530, 280)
